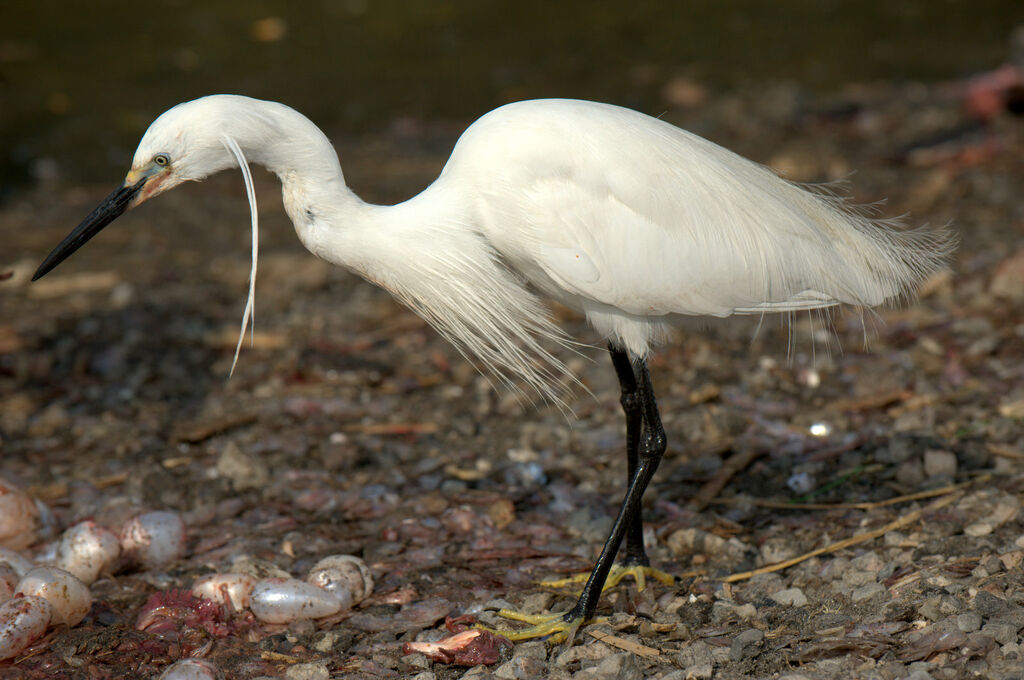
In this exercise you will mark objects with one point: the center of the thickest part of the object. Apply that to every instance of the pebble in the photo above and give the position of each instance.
(939, 463)
(868, 592)
(620, 666)
(968, 622)
(190, 669)
(987, 604)
(939, 607)
(242, 470)
(307, 671)
(746, 645)
(1002, 632)
(791, 597)
(480, 672)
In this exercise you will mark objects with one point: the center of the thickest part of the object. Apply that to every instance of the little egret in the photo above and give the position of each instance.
(621, 216)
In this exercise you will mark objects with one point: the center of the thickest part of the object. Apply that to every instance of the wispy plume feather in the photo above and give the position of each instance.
(250, 191)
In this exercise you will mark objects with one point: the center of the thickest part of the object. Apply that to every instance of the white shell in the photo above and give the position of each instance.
(23, 620)
(69, 597)
(338, 573)
(235, 589)
(19, 517)
(86, 550)
(15, 559)
(8, 580)
(283, 600)
(154, 539)
(190, 669)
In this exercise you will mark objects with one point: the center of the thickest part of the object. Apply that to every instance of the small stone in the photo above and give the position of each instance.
(589, 652)
(480, 672)
(868, 592)
(746, 611)
(746, 645)
(243, 471)
(696, 654)
(307, 671)
(1001, 631)
(869, 561)
(910, 473)
(859, 577)
(1012, 560)
(791, 597)
(620, 666)
(689, 541)
(536, 603)
(988, 605)
(935, 608)
(701, 671)
(968, 622)
(939, 463)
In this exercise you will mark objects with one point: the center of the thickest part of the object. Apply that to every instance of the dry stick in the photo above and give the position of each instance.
(1005, 451)
(623, 643)
(736, 464)
(909, 518)
(920, 495)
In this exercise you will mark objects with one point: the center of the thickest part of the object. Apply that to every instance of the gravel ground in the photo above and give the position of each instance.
(350, 427)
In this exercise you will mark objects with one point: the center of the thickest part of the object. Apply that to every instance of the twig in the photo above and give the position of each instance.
(624, 644)
(1005, 452)
(920, 495)
(733, 466)
(909, 518)
(51, 492)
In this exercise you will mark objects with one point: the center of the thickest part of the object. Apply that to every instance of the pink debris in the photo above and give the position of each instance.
(470, 647)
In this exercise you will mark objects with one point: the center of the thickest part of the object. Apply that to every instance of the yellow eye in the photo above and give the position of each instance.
(162, 159)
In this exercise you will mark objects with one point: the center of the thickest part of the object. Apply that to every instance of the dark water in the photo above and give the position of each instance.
(79, 82)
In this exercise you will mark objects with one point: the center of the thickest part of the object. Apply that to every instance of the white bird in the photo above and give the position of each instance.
(624, 217)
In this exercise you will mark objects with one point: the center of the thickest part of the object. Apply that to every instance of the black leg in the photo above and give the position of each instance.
(631, 407)
(649, 452)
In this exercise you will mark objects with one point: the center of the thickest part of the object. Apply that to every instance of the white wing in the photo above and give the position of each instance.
(598, 204)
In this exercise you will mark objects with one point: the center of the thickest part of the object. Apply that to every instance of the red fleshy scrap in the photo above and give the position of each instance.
(171, 610)
(466, 647)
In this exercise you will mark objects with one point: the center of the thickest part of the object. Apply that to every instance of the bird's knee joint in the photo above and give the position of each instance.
(655, 443)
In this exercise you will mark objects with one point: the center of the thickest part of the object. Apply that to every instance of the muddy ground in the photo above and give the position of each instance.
(351, 427)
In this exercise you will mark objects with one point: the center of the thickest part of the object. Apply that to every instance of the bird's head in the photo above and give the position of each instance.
(187, 142)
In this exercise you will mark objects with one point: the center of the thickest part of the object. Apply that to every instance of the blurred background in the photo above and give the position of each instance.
(79, 84)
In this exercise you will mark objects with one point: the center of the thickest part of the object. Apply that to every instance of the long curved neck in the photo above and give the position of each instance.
(330, 219)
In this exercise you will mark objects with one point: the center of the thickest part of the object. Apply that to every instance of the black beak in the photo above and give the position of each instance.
(112, 207)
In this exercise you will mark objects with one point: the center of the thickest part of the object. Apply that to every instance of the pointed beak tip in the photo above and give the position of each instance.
(112, 207)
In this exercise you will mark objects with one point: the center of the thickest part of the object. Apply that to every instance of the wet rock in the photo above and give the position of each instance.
(792, 597)
(746, 645)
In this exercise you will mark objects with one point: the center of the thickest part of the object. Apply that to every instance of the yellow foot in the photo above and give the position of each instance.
(618, 571)
(551, 627)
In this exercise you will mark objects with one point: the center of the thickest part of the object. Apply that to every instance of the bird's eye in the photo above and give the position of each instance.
(162, 159)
